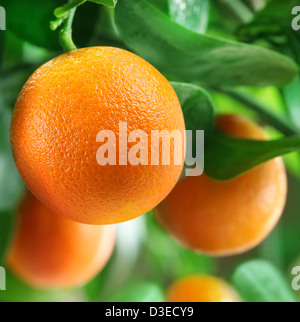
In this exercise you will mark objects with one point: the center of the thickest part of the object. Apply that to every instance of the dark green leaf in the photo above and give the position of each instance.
(162, 5)
(7, 221)
(259, 281)
(182, 53)
(192, 14)
(227, 157)
(273, 20)
(30, 20)
(197, 106)
(11, 186)
(108, 3)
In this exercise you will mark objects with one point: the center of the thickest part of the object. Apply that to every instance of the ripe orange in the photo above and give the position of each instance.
(49, 251)
(232, 217)
(201, 288)
(57, 117)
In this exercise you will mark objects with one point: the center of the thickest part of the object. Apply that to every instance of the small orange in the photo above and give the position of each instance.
(232, 217)
(60, 111)
(201, 288)
(49, 251)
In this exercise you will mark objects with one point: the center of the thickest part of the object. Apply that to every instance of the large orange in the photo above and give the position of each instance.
(57, 117)
(201, 288)
(49, 251)
(227, 218)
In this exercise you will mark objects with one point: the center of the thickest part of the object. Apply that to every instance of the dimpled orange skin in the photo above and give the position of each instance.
(57, 117)
(201, 288)
(227, 218)
(49, 251)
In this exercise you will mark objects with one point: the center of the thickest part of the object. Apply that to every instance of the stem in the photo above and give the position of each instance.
(62, 11)
(264, 111)
(65, 35)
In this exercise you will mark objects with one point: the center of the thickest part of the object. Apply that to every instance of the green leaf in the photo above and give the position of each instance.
(291, 94)
(189, 56)
(162, 5)
(11, 184)
(227, 157)
(196, 105)
(108, 3)
(271, 21)
(259, 281)
(30, 20)
(192, 14)
(7, 223)
(139, 292)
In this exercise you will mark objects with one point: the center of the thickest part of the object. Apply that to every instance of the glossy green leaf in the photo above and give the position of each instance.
(7, 223)
(139, 292)
(192, 14)
(227, 157)
(11, 184)
(108, 3)
(187, 55)
(259, 281)
(196, 105)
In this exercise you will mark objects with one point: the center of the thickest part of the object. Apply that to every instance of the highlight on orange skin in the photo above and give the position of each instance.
(201, 288)
(227, 218)
(49, 251)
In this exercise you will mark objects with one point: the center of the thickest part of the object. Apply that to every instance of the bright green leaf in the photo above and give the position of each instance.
(192, 14)
(187, 55)
(292, 97)
(259, 281)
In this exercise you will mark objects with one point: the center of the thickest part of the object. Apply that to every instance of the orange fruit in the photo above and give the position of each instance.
(231, 217)
(60, 111)
(49, 251)
(201, 288)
